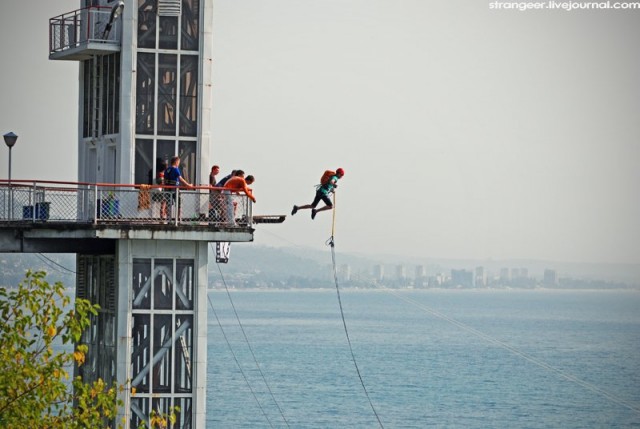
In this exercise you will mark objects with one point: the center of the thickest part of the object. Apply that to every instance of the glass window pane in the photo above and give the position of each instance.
(190, 22)
(185, 284)
(141, 350)
(116, 95)
(166, 150)
(104, 65)
(187, 154)
(189, 95)
(184, 354)
(145, 93)
(110, 92)
(86, 98)
(163, 284)
(167, 88)
(184, 417)
(168, 32)
(139, 411)
(162, 351)
(144, 162)
(141, 285)
(147, 24)
(161, 405)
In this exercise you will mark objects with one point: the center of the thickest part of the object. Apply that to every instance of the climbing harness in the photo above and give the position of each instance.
(331, 242)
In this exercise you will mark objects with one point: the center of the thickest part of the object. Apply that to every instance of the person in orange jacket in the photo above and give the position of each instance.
(236, 184)
(239, 183)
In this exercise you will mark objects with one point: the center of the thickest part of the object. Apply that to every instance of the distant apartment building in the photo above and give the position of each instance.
(480, 279)
(420, 280)
(504, 275)
(344, 272)
(550, 277)
(436, 281)
(421, 272)
(401, 272)
(462, 278)
(378, 272)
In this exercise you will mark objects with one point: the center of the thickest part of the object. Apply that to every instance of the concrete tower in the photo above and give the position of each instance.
(142, 253)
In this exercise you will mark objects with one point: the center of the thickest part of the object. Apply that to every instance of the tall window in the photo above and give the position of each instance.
(101, 96)
(162, 335)
(167, 86)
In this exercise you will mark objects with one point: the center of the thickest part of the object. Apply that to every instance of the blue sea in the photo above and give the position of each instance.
(429, 358)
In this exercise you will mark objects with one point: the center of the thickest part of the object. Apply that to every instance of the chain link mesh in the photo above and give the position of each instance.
(135, 205)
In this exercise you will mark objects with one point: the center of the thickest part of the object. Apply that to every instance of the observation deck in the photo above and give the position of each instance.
(71, 217)
(83, 33)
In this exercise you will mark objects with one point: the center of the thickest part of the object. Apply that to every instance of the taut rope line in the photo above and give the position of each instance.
(235, 358)
(255, 360)
(330, 242)
(515, 351)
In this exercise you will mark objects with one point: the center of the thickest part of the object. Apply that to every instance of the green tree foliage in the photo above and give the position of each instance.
(35, 386)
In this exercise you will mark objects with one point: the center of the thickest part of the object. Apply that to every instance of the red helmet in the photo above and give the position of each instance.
(340, 172)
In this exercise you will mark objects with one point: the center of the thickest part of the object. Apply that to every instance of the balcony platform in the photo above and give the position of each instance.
(84, 51)
(63, 217)
(86, 238)
(84, 33)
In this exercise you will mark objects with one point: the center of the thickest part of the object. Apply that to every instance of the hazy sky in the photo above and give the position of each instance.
(464, 132)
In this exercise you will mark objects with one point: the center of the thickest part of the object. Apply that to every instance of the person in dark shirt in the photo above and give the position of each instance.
(173, 177)
(212, 175)
(224, 180)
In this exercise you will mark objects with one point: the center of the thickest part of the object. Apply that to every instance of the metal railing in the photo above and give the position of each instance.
(103, 203)
(80, 26)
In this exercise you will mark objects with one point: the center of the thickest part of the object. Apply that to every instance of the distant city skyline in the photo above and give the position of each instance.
(465, 132)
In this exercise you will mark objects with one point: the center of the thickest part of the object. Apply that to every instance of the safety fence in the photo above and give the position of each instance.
(90, 24)
(37, 202)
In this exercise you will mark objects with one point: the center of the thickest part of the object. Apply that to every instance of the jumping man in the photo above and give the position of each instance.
(328, 183)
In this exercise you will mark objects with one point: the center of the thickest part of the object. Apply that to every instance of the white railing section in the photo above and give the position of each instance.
(39, 202)
(81, 26)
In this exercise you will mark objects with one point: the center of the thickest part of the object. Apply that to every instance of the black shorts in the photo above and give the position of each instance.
(323, 197)
(157, 197)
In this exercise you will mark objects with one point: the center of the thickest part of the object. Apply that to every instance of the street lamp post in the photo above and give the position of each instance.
(10, 140)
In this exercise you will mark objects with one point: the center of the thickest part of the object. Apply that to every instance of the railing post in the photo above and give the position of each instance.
(95, 204)
(75, 30)
(177, 205)
(33, 203)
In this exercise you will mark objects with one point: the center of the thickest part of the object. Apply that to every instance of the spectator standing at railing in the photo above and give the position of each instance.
(212, 175)
(157, 195)
(237, 184)
(173, 177)
(214, 195)
(226, 178)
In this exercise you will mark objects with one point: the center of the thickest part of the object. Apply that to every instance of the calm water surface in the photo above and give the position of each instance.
(485, 359)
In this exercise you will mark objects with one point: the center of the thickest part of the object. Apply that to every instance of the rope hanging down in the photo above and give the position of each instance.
(235, 358)
(255, 360)
(331, 242)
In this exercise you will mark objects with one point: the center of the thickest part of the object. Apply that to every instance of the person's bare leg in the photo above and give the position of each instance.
(296, 208)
